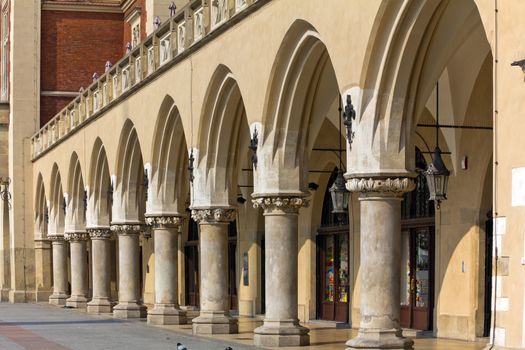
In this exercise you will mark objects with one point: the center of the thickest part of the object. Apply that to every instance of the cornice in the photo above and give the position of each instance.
(82, 7)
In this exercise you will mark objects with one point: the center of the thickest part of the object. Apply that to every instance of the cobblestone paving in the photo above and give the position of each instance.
(45, 327)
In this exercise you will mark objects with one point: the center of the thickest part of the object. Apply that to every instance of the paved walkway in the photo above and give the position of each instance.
(45, 327)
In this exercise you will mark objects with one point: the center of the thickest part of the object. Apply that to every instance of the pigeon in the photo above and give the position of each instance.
(181, 347)
(228, 348)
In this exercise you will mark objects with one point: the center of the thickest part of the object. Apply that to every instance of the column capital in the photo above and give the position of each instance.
(164, 221)
(126, 229)
(99, 233)
(76, 236)
(55, 237)
(213, 215)
(381, 187)
(280, 204)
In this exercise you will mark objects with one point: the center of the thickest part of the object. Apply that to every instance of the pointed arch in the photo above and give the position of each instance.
(301, 89)
(56, 203)
(411, 45)
(223, 126)
(41, 213)
(128, 197)
(98, 188)
(168, 188)
(75, 197)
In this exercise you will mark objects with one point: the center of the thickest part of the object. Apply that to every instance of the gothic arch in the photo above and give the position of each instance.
(411, 46)
(56, 203)
(41, 212)
(99, 189)
(300, 92)
(75, 205)
(168, 186)
(223, 128)
(128, 197)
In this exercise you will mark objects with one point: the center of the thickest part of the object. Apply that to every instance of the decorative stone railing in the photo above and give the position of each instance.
(186, 28)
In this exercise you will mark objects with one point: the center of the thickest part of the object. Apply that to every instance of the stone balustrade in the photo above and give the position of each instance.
(187, 27)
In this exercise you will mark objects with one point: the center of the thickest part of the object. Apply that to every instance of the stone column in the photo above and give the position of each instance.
(100, 244)
(59, 247)
(281, 325)
(214, 317)
(380, 201)
(129, 303)
(166, 310)
(79, 269)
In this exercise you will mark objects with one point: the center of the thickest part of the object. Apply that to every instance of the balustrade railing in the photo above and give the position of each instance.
(189, 25)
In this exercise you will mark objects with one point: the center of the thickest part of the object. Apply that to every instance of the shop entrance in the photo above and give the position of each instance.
(333, 288)
(417, 254)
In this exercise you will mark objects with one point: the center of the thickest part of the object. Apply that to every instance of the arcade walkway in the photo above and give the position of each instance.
(44, 327)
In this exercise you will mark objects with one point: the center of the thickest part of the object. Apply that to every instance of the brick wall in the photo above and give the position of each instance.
(74, 46)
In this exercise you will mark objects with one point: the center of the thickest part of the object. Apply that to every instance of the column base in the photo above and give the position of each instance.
(379, 339)
(129, 310)
(281, 333)
(163, 314)
(4, 294)
(99, 306)
(43, 295)
(77, 302)
(17, 296)
(58, 299)
(214, 323)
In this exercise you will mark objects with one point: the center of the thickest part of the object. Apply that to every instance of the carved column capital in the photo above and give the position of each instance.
(381, 187)
(280, 204)
(164, 221)
(126, 229)
(99, 233)
(55, 237)
(76, 236)
(213, 215)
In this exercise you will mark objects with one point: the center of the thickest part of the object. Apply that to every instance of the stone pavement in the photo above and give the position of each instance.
(45, 327)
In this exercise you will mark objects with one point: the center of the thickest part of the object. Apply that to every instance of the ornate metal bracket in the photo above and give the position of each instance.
(254, 141)
(5, 195)
(348, 118)
(190, 166)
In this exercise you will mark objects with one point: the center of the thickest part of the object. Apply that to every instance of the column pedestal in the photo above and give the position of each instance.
(166, 310)
(380, 201)
(79, 269)
(59, 247)
(100, 303)
(281, 325)
(129, 304)
(214, 317)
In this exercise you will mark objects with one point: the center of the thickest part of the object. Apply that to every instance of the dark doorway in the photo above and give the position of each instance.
(417, 254)
(232, 265)
(191, 256)
(488, 274)
(333, 288)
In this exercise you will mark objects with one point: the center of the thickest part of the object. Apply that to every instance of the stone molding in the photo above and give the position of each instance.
(164, 221)
(213, 215)
(76, 236)
(381, 187)
(280, 204)
(99, 233)
(126, 229)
